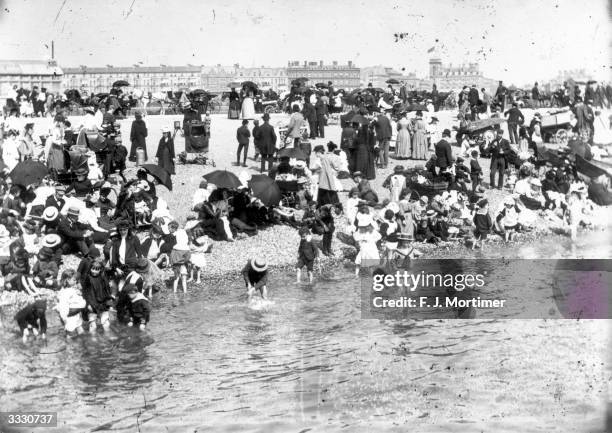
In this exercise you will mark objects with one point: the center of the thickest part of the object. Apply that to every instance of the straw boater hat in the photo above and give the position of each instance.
(165, 129)
(51, 240)
(50, 214)
(74, 211)
(259, 265)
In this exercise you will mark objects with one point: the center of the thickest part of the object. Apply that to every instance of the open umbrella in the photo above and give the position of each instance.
(292, 152)
(265, 189)
(416, 107)
(199, 92)
(121, 83)
(358, 118)
(233, 84)
(28, 172)
(392, 81)
(321, 86)
(223, 179)
(299, 81)
(249, 84)
(159, 173)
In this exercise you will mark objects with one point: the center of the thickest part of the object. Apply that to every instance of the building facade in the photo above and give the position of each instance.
(274, 78)
(148, 78)
(455, 77)
(216, 78)
(342, 76)
(29, 73)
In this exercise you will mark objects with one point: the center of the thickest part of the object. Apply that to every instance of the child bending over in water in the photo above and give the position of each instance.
(307, 254)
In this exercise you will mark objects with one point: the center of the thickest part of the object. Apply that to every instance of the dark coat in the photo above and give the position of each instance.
(138, 135)
(321, 108)
(444, 154)
(309, 112)
(132, 252)
(165, 155)
(500, 149)
(97, 292)
(473, 96)
(29, 315)
(69, 230)
(383, 127)
(243, 134)
(266, 139)
(52, 201)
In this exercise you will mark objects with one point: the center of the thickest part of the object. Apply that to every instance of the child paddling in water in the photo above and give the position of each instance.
(255, 275)
(307, 254)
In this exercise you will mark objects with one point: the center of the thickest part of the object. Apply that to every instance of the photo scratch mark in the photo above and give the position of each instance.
(59, 11)
(214, 15)
(130, 10)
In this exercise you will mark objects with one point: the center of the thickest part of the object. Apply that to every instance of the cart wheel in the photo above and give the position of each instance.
(561, 136)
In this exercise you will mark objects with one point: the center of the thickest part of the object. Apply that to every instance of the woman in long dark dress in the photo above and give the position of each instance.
(138, 136)
(165, 151)
(364, 152)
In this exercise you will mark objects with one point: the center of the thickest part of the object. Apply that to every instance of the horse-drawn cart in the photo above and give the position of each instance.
(556, 128)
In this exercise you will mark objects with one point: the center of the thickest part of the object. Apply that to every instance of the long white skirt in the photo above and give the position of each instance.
(248, 109)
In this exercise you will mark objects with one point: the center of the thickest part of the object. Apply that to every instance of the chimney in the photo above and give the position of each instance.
(52, 50)
(350, 64)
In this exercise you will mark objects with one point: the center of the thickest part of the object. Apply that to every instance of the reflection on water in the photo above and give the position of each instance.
(309, 361)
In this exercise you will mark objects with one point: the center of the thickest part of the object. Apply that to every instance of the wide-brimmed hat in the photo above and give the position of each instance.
(142, 264)
(398, 169)
(357, 173)
(51, 240)
(50, 214)
(536, 182)
(74, 211)
(81, 171)
(509, 200)
(424, 199)
(259, 265)
(431, 212)
(165, 129)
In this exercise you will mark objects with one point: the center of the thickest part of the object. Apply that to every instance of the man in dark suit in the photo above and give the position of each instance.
(500, 148)
(321, 111)
(473, 100)
(500, 95)
(74, 238)
(310, 115)
(57, 199)
(515, 117)
(383, 136)
(444, 153)
(267, 142)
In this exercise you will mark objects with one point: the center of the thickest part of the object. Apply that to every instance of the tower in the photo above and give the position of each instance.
(435, 67)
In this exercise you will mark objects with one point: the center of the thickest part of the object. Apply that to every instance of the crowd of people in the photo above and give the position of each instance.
(123, 232)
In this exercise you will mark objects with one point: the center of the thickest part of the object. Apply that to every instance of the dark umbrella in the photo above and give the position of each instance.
(199, 92)
(417, 107)
(28, 172)
(265, 189)
(392, 81)
(223, 179)
(299, 81)
(321, 86)
(358, 118)
(300, 89)
(592, 82)
(291, 152)
(159, 173)
(249, 84)
(121, 83)
(233, 84)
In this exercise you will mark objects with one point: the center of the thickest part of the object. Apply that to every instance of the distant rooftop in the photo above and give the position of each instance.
(131, 69)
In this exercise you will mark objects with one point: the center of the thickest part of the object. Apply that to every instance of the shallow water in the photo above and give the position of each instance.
(307, 361)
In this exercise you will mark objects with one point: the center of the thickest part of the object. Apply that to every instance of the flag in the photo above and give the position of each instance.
(431, 50)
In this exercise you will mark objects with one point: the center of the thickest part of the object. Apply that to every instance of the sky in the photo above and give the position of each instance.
(518, 41)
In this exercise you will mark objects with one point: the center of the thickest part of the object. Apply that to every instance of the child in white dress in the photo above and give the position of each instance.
(366, 237)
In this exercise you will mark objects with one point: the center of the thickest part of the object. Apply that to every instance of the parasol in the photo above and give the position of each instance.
(358, 118)
(483, 124)
(321, 86)
(299, 81)
(223, 179)
(233, 84)
(265, 189)
(417, 107)
(392, 81)
(291, 152)
(121, 83)
(28, 172)
(249, 84)
(159, 173)
(199, 92)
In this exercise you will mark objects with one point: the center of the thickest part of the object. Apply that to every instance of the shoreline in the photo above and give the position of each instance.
(227, 265)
